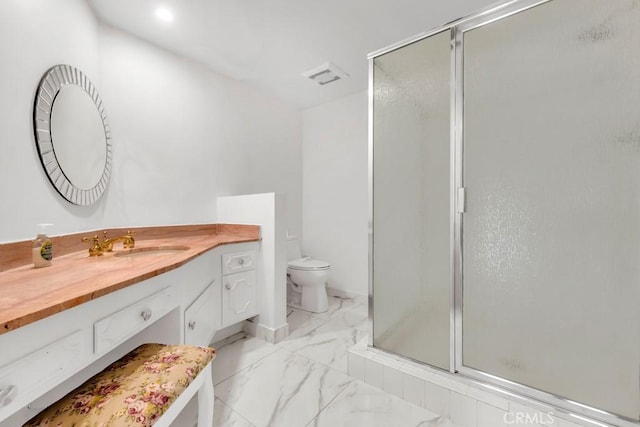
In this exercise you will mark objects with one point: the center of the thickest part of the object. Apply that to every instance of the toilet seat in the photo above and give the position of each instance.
(308, 264)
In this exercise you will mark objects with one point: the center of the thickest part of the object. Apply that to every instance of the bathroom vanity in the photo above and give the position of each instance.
(61, 324)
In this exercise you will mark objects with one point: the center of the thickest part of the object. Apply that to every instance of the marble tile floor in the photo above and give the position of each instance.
(302, 381)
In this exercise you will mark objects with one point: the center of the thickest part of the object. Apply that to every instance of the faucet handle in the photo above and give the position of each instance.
(129, 241)
(95, 249)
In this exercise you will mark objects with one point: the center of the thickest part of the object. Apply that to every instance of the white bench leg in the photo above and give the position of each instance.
(206, 399)
(202, 385)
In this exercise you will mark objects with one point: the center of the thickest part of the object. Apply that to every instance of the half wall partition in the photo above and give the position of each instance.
(505, 183)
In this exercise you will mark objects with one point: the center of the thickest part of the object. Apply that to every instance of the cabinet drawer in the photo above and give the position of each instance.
(238, 261)
(32, 375)
(202, 317)
(238, 297)
(117, 327)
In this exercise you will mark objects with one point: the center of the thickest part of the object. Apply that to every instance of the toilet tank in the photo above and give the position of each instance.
(293, 248)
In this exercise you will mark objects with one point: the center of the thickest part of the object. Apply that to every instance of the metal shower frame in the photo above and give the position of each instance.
(509, 389)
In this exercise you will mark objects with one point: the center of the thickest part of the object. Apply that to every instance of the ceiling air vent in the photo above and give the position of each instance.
(325, 74)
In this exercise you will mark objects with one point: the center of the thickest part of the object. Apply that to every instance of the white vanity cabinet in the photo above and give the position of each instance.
(203, 318)
(42, 361)
(235, 262)
(25, 377)
(38, 358)
(117, 327)
(239, 292)
(238, 297)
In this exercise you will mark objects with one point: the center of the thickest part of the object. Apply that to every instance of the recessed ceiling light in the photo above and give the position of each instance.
(164, 14)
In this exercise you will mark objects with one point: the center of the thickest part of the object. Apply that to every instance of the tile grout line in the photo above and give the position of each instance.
(252, 363)
(330, 402)
(342, 315)
(250, 366)
(310, 361)
(234, 411)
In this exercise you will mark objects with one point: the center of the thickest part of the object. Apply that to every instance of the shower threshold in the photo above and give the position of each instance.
(464, 401)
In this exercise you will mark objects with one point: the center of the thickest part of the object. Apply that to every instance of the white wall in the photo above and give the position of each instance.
(268, 211)
(335, 210)
(34, 36)
(182, 135)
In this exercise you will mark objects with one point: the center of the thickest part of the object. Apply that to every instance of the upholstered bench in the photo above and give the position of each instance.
(148, 386)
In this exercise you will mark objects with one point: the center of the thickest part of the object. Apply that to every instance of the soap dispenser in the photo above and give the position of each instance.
(42, 248)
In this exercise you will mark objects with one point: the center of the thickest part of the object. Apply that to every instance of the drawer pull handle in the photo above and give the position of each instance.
(7, 393)
(192, 325)
(241, 261)
(228, 286)
(146, 315)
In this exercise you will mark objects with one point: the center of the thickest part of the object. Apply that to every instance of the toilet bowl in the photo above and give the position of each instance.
(306, 281)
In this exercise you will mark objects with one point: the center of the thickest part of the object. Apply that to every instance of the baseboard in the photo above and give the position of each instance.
(335, 292)
(265, 333)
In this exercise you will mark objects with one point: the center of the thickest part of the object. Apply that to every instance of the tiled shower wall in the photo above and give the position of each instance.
(466, 402)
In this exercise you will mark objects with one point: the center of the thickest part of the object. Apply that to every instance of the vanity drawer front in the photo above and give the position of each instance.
(30, 376)
(119, 326)
(202, 317)
(238, 261)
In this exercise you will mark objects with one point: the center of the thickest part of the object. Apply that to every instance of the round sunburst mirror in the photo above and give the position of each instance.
(72, 135)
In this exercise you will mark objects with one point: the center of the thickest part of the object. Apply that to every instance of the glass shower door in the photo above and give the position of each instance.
(411, 187)
(551, 234)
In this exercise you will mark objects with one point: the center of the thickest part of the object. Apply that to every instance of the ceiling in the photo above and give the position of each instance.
(269, 43)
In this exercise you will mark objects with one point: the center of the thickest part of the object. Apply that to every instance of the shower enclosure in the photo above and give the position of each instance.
(505, 184)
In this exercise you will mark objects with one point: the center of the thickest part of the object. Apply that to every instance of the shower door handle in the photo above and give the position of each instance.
(461, 200)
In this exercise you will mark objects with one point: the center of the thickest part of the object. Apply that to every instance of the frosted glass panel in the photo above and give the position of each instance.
(551, 236)
(411, 200)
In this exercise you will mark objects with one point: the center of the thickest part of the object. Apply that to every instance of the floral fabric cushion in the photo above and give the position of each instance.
(133, 391)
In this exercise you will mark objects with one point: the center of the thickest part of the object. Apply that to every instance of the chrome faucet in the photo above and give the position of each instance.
(128, 242)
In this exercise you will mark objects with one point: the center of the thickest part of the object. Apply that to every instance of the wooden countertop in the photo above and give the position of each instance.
(28, 294)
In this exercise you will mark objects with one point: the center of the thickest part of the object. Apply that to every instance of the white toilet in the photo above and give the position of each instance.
(306, 280)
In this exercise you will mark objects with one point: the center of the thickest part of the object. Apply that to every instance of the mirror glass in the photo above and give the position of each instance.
(72, 135)
(78, 136)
